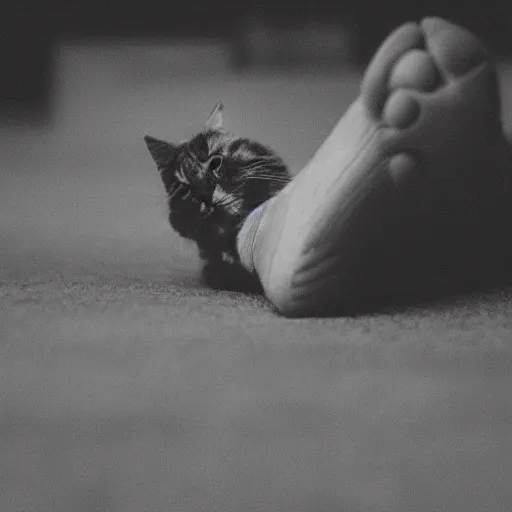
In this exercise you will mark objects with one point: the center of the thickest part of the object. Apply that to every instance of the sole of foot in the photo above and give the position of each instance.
(405, 184)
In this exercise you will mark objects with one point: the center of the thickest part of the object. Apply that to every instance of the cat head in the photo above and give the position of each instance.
(215, 179)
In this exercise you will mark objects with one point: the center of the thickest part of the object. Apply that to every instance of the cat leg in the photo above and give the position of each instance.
(220, 275)
(426, 126)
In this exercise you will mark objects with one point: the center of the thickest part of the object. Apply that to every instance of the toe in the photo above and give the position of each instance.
(415, 70)
(374, 89)
(401, 110)
(455, 49)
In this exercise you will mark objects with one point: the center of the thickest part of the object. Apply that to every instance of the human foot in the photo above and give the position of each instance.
(424, 133)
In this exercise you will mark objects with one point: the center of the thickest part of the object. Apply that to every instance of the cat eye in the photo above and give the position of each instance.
(214, 165)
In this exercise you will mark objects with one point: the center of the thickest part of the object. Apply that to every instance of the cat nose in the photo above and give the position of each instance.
(204, 198)
(205, 193)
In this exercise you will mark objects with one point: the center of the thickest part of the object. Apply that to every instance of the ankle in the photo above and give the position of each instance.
(245, 239)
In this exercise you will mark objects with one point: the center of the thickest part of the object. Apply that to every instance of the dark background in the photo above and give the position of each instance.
(29, 29)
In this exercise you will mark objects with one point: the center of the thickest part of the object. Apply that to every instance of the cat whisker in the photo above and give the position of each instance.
(275, 179)
(267, 177)
(268, 164)
(225, 203)
(261, 169)
(238, 189)
(255, 168)
(228, 203)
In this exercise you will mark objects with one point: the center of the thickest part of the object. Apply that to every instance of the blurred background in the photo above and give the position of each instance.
(255, 32)
(83, 80)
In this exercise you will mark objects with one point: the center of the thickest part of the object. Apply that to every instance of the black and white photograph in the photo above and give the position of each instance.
(255, 256)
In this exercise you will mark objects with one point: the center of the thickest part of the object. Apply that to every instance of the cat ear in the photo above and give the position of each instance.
(161, 151)
(215, 120)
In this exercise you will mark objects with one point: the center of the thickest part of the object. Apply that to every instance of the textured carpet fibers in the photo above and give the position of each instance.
(125, 395)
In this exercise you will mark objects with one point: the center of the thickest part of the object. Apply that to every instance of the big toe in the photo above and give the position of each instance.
(456, 50)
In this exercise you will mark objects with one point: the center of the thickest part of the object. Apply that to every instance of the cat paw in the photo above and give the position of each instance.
(220, 275)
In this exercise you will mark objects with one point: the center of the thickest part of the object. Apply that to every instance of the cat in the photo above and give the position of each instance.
(213, 181)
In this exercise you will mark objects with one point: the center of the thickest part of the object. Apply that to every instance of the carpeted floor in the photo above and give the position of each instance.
(126, 386)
